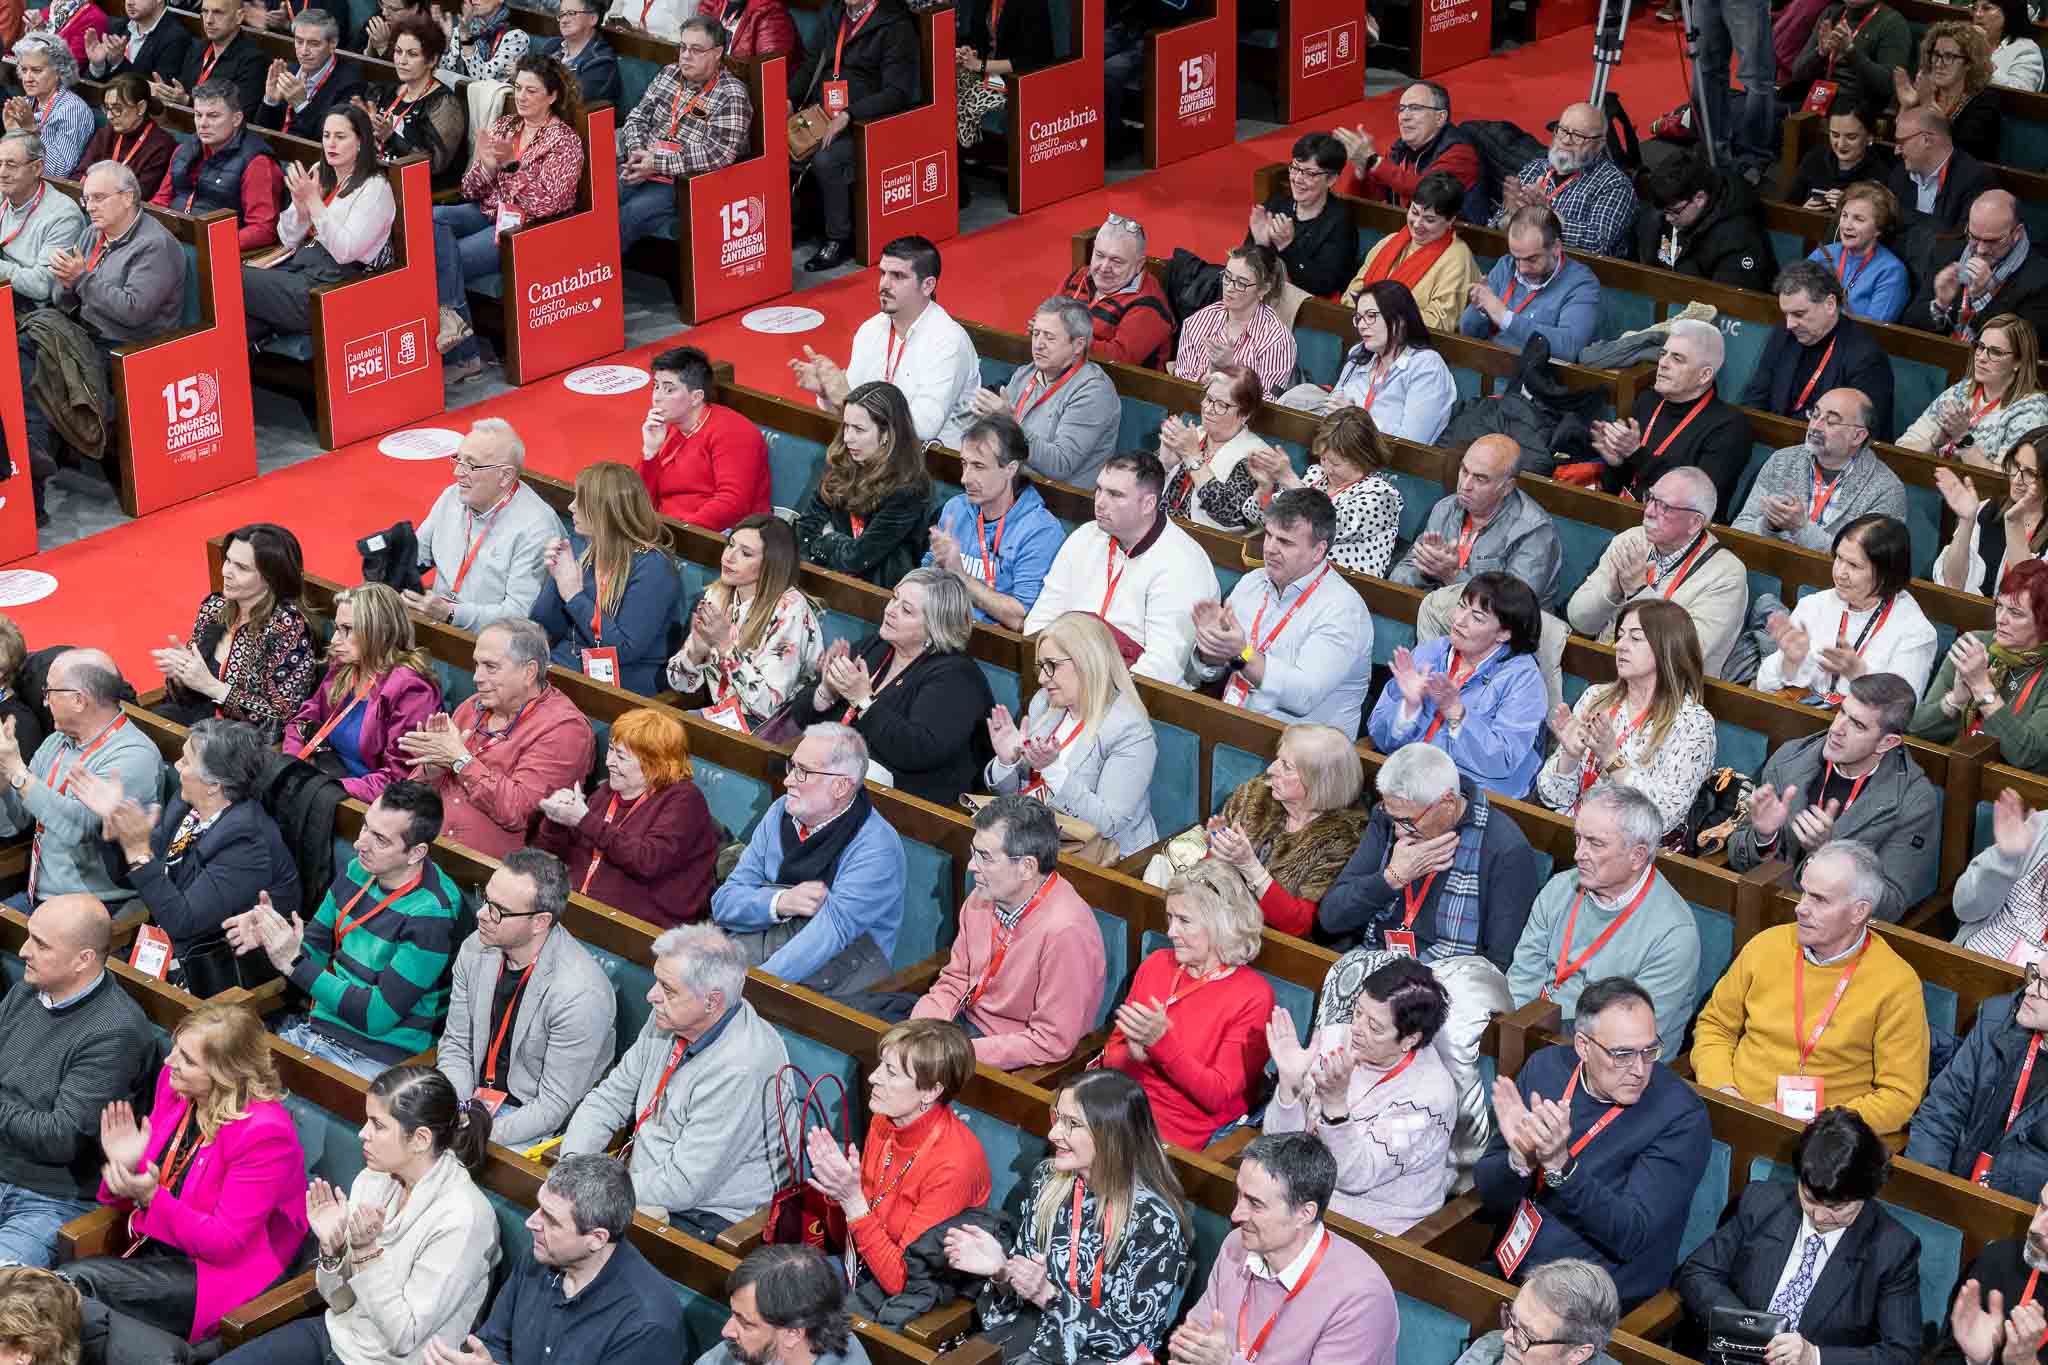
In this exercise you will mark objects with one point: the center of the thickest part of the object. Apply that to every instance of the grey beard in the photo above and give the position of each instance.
(2035, 1256)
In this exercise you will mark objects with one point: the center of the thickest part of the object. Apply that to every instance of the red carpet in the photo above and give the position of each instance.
(129, 588)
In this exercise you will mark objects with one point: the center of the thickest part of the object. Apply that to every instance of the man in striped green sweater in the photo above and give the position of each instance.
(374, 960)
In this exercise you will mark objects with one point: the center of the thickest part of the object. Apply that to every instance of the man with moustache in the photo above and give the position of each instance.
(1536, 290)
(1579, 182)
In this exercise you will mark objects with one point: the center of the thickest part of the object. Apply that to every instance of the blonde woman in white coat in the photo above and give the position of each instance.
(406, 1256)
(1086, 746)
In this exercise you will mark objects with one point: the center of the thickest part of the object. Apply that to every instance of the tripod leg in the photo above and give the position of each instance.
(1689, 28)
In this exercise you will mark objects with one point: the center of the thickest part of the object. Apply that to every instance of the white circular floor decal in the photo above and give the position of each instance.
(604, 379)
(421, 443)
(19, 587)
(783, 320)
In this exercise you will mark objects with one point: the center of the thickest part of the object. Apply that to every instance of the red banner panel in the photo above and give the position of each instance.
(1323, 49)
(907, 161)
(1191, 87)
(561, 277)
(1056, 125)
(1451, 33)
(376, 365)
(739, 247)
(185, 425)
(17, 491)
(1561, 16)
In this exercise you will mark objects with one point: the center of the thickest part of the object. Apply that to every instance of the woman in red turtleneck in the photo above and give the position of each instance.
(922, 1164)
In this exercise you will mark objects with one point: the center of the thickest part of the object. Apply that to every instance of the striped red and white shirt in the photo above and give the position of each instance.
(1267, 346)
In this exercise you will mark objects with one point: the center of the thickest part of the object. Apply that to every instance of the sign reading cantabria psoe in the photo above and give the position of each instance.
(1191, 87)
(1059, 109)
(1326, 40)
(907, 161)
(1451, 33)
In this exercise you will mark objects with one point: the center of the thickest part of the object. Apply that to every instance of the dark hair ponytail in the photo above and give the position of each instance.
(421, 1097)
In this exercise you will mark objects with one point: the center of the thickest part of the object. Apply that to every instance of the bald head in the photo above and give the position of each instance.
(1486, 475)
(1994, 223)
(1581, 134)
(1924, 139)
(83, 691)
(69, 938)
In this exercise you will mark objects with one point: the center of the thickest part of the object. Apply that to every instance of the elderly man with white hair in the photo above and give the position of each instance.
(1673, 555)
(1821, 1011)
(1569, 1305)
(1680, 421)
(1064, 401)
(1440, 873)
(1133, 321)
(34, 224)
(1612, 914)
(47, 104)
(486, 539)
(1579, 182)
(694, 1092)
(817, 897)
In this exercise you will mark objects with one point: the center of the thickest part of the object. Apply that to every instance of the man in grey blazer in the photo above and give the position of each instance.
(531, 1017)
(1064, 401)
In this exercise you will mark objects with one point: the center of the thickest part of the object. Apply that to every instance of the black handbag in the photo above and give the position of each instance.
(1737, 1336)
(213, 966)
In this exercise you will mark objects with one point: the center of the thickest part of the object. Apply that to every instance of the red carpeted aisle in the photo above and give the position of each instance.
(129, 588)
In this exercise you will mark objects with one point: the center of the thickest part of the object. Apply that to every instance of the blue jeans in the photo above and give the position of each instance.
(1742, 132)
(300, 1033)
(29, 1223)
(645, 209)
(465, 249)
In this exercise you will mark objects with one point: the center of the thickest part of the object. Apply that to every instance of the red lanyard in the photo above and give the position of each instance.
(1379, 375)
(26, 213)
(1112, 574)
(1551, 187)
(1697, 409)
(1250, 1351)
(1174, 994)
(988, 551)
(1869, 631)
(128, 156)
(597, 854)
(2018, 703)
(1437, 723)
(1413, 899)
(1613, 1113)
(97, 252)
(1855, 788)
(597, 610)
(1398, 1067)
(897, 346)
(1981, 1173)
(344, 926)
(1072, 735)
(1977, 408)
(675, 1059)
(1266, 645)
(490, 1074)
(999, 942)
(1588, 774)
(1074, 1248)
(212, 60)
(1468, 536)
(493, 737)
(839, 53)
(63, 783)
(1566, 970)
(1807, 1044)
(1684, 570)
(1799, 405)
(468, 524)
(175, 1162)
(1823, 492)
(679, 111)
(2033, 1275)
(1025, 402)
(1515, 283)
(1841, 261)
(311, 90)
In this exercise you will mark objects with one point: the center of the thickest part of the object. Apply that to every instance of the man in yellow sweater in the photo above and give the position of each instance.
(1820, 1012)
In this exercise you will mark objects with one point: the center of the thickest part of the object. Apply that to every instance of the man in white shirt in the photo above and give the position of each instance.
(1295, 636)
(1134, 568)
(487, 537)
(911, 343)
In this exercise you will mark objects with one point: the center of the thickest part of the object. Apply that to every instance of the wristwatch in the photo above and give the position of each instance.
(20, 780)
(461, 763)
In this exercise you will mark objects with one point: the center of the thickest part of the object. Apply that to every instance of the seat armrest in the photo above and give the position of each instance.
(267, 1312)
(90, 1234)
(745, 1235)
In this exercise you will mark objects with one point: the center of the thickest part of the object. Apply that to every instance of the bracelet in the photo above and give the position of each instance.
(1333, 1119)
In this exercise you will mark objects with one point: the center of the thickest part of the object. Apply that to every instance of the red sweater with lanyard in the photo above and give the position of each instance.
(1200, 1073)
(713, 476)
(931, 1169)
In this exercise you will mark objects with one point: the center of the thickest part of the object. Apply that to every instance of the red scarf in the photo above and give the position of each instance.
(1411, 269)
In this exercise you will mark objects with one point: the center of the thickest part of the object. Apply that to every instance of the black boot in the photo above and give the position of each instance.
(833, 254)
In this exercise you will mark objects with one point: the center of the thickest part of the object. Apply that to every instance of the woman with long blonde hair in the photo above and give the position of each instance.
(1954, 71)
(379, 686)
(212, 1183)
(1106, 1199)
(1647, 728)
(612, 590)
(1086, 747)
(754, 635)
(867, 514)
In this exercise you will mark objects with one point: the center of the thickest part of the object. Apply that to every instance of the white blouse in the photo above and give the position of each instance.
(1368, 520)
(2016, 64)
(1670, 774)
(1903, 645)
(355, 228)
(769, 674)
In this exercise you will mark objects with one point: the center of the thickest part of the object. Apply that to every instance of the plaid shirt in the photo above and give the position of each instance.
(1597, 205)
(711, 135)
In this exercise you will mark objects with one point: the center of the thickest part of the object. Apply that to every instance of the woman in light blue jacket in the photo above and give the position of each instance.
(1478, 693)
(1875, 278)
(1394, 372)
(1086, 746)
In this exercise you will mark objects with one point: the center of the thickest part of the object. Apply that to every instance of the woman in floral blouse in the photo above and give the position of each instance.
(1106, 1202)
(1206, 478)
(525, 171)
(1348, 463)
(483, 44)
(250, 656)
(754, 637)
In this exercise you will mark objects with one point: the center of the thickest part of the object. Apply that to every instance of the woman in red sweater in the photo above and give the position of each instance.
(1290, 831)
(643, 841)
(922, 1166)
(1192, 1031)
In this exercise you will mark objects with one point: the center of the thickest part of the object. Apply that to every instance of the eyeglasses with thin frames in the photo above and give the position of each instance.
(803, 774)
(463, 466)
(1518, 1335)
(1418, 108)
(1995, 352)
(1578, 139)
(1666, 508)
(1629, 1056)
(1308, 172)
(1830, 420)
(1239, 282)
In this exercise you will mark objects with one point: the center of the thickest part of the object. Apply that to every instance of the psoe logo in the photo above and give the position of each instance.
(192, 425)
(369, 361)
(899, 187)
(1197, 85)
(931, 178)
(1344, 44)
(1315, 53)
(742, 231)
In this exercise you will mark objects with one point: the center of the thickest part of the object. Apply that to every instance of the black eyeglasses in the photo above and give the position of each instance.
(1518, 1335)
(491, 907)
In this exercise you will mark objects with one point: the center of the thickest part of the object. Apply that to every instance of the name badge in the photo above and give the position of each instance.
(493, 1100)
(1799, 1097)
(1521, 1235)
(835, 98)
(509, 220)
(602, 664)
(1819, 96)
(672, 149)
(1236, 690)
(1980, 1174)
(1400, 941)
(152, 952)
(728, 713)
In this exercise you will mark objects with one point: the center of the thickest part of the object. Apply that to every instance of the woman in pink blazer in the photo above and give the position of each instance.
(213, 1182)
(379, 686)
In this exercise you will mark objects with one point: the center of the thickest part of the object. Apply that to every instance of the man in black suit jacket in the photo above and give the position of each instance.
(1822, 1252)
(1984, 262)
(296, 100)
(1999, 1297)
(1818, 349)
(225, 55)
(163, 48)
(1935, 183)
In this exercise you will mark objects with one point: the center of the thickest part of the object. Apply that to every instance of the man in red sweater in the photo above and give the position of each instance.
(1428, 142)
(702, 463)
(1025, 977)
